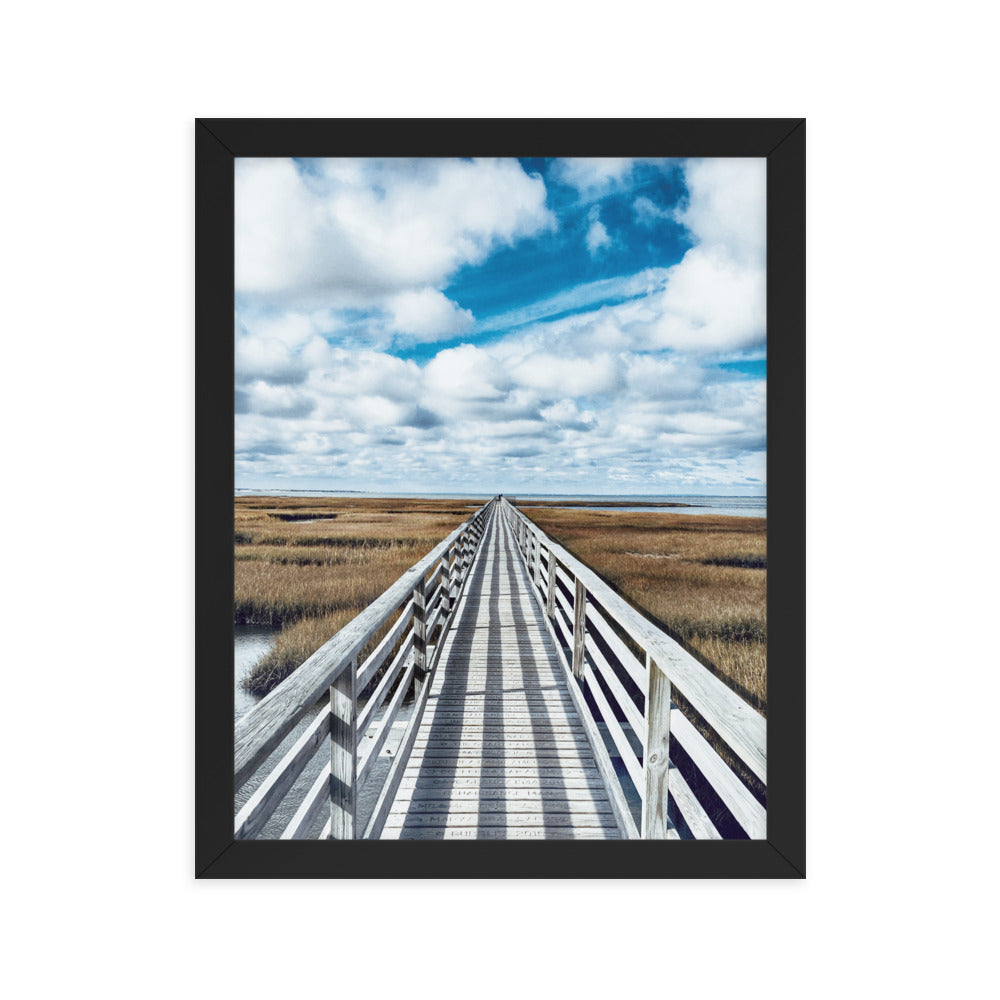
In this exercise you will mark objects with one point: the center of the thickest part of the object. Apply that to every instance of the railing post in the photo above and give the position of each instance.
(454, 569)
(419, 635)
(579, 627)
(656, 753)
(538, 561)
(550, 597)
(466, 543)
(344, 753)
(446, 584)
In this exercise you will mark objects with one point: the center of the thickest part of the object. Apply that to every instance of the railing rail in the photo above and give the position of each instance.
(683, 786)
(425, 597)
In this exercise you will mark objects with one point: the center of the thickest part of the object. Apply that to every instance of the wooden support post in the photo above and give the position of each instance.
(454, 573)
(538, 562)
(344, 753)
(579, 627)
(420, 636)
(550, 597)
(656, 753)
(446, 583)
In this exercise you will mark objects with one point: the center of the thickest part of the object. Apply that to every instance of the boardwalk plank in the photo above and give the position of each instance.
(501, 752)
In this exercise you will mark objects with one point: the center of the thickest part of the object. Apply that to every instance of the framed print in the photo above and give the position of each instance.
(500, 498)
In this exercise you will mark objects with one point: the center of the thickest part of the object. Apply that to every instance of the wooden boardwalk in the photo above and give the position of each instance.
(500, 689)
(501, 752)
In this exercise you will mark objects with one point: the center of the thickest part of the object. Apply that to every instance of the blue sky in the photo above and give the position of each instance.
(578, 326)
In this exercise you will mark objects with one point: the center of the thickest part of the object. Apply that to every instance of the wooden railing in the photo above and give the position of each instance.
(424, 597)
(624, 673)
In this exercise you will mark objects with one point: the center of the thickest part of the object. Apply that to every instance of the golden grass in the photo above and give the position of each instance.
(310, 565)
(702, 578)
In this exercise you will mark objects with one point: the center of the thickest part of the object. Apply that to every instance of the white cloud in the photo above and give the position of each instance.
(727, 206)
(565, 413)
(562, 375)
(648, 213)
(351, 233)
(266, 358)
(465, 373)
(627, 394)
(427, 315)
(597, 234)
(597, 238)
(711, 303)
(593, 176)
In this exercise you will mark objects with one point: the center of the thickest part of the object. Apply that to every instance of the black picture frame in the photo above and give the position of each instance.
(218, 142)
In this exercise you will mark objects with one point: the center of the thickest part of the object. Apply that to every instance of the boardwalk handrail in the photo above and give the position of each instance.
(693, 791)
(425, 595)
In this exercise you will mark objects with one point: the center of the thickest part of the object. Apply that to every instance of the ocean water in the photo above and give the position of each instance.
(731, 506)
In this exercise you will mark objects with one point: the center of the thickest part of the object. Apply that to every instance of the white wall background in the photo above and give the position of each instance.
(98, 427)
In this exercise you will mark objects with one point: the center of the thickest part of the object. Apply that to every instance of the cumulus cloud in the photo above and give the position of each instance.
(463, 375)
(710, 303)
(612, 384)
(726, 209)
(428, 315)
(350, 233)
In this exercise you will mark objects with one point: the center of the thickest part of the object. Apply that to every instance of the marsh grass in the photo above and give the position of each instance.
(313, 572)
(702, 578)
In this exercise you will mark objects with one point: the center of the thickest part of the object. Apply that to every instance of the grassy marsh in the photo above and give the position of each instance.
(703, 578)
(309, 565)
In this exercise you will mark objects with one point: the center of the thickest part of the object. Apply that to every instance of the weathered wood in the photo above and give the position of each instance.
(259, 808)
(499, 715)
(602, 761)
(269, 721)
(446, 602)
(494, 833)
(381, 651)
(656, 754)
(379, 694)
(372, 751)
(500, 726)
(571, 754)
(690, 809)
(621, 696)
(450, 768)
(550, 593)
(419, 633)
(621, 652)
(591, 783)
(432, 603)
(312, 806)
(429, 627)
(524, 819)
(502, 742)
(625, 751)
(343, 754)
(579, 627)
(566, 579)
(564, 620)
(376, 821)
(513, 808)
(526, 798)
(739, 725)
(746, 810)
